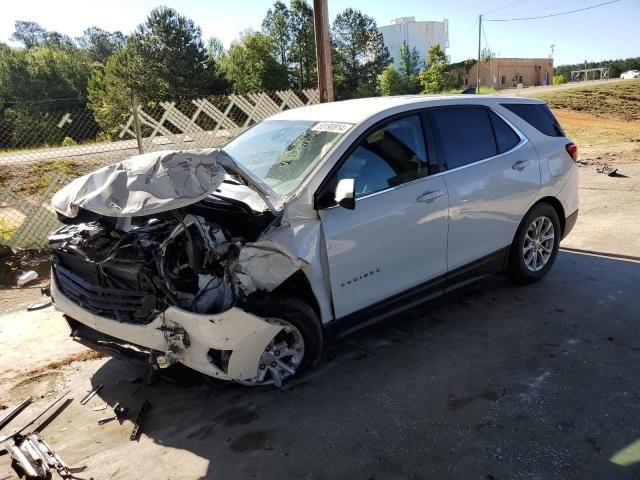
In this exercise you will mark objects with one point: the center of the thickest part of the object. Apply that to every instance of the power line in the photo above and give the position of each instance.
(503, 7)
(470, 30)
(548, 16)
(484, 35)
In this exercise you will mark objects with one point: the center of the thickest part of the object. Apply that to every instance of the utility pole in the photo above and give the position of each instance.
(323, 50)
(478, 65)
(553, 49)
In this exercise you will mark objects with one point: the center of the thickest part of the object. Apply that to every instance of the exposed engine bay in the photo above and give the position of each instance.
(130, 269)
(164, 254)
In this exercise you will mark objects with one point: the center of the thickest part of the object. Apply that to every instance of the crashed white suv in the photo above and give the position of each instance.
(242, 262)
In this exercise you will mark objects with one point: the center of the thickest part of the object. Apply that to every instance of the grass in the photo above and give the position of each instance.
(6, 230)
(455, 91)
(41, 174)
(620, 100)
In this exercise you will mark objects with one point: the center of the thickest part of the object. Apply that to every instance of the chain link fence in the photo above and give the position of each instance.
(45, 145)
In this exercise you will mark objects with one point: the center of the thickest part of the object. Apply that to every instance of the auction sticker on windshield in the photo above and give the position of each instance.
(334, 127)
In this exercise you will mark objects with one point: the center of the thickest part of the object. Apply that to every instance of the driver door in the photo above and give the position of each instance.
(395, 239)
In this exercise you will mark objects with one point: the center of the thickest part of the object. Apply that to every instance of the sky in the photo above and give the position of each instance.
(607, 32)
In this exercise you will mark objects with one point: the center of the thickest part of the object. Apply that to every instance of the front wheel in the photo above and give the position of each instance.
(535, 246)
(297, 347)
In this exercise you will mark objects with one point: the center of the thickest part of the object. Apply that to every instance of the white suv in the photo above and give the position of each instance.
(242, 262)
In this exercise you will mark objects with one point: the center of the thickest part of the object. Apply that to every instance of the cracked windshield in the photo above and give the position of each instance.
(282, 152)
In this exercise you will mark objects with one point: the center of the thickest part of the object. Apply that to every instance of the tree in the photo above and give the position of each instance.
(215, 60)
(170, 58)
(100, 44)
(30, 34)
(409, 68)
(250, 65)
(215, 50)
(109, 89)
(360, 55)
(302, 53)
(433, 78)
(164, 58)
(486, 55)
(391, 82)
(28, 76)
(276, 26)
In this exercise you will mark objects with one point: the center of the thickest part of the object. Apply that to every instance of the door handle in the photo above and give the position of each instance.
(428, 197)
(520, 164)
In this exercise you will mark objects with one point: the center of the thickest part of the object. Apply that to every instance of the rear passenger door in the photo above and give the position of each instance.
(491, 172)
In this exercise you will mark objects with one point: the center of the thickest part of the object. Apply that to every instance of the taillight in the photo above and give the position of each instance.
(572, 150)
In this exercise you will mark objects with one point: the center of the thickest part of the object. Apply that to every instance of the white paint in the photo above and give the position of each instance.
(235, 329)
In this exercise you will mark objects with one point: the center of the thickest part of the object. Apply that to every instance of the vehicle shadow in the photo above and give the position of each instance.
(482, 383)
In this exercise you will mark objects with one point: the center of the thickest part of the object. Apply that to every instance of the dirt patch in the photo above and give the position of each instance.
(36, 379)
(53, 367)
(602, 140)
(83, 356)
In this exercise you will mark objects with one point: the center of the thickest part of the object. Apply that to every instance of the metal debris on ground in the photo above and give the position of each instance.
(9, 436)
(39, 305)
(90, 395)
(33, 458)
(26, 277)
(135, 433)
(4, 421)
(100, 408)
(606, 169)
(119, 413)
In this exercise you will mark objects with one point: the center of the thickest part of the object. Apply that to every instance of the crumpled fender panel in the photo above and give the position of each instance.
(244, 334)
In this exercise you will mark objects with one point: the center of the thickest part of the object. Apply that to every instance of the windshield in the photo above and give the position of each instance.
(282, 152)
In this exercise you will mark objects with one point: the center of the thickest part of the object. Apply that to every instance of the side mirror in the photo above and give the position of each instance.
(346, 193)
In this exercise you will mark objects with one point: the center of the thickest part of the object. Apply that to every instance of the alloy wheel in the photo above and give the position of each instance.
(281, 358)
(538, 244)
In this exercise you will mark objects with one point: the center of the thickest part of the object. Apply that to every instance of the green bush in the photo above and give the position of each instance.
(68, 142)
(559, 79)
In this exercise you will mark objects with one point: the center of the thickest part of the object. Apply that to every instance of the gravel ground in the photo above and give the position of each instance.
(490, 382)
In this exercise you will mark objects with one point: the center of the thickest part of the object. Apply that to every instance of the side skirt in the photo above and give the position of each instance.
(415, 296)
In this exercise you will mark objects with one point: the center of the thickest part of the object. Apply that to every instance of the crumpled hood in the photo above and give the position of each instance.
(152, 183)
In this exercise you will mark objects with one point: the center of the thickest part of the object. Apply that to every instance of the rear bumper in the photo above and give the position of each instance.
(569, 223)
(177, 335)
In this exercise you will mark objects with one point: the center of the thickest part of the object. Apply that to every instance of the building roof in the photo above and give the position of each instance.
(357, 110)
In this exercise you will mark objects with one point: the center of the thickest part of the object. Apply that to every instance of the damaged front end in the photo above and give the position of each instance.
(159, 254)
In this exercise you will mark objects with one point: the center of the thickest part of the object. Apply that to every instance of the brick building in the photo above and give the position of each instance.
(509, 72)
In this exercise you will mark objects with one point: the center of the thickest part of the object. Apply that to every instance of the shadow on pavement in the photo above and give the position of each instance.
(492, 381)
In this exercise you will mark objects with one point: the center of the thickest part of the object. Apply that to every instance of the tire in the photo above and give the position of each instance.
(522, 268)
(299, 314)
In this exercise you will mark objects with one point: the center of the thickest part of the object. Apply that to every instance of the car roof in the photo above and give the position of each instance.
(357, 110)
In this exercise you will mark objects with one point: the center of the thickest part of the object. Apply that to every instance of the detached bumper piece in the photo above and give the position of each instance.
(32, 458)
(106, 344)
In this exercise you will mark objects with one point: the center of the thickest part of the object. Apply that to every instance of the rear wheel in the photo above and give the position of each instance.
(297, 347)
(535, 246)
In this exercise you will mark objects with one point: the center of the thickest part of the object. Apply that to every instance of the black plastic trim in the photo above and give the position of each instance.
(569, 223)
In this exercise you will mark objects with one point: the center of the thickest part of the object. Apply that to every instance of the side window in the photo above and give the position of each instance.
(465, 134)
(538, 116)
(389, 156)
(506, 138)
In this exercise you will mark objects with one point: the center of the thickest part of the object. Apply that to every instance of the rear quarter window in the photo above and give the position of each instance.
(465, 133)
(506, 138)
(538, 116)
